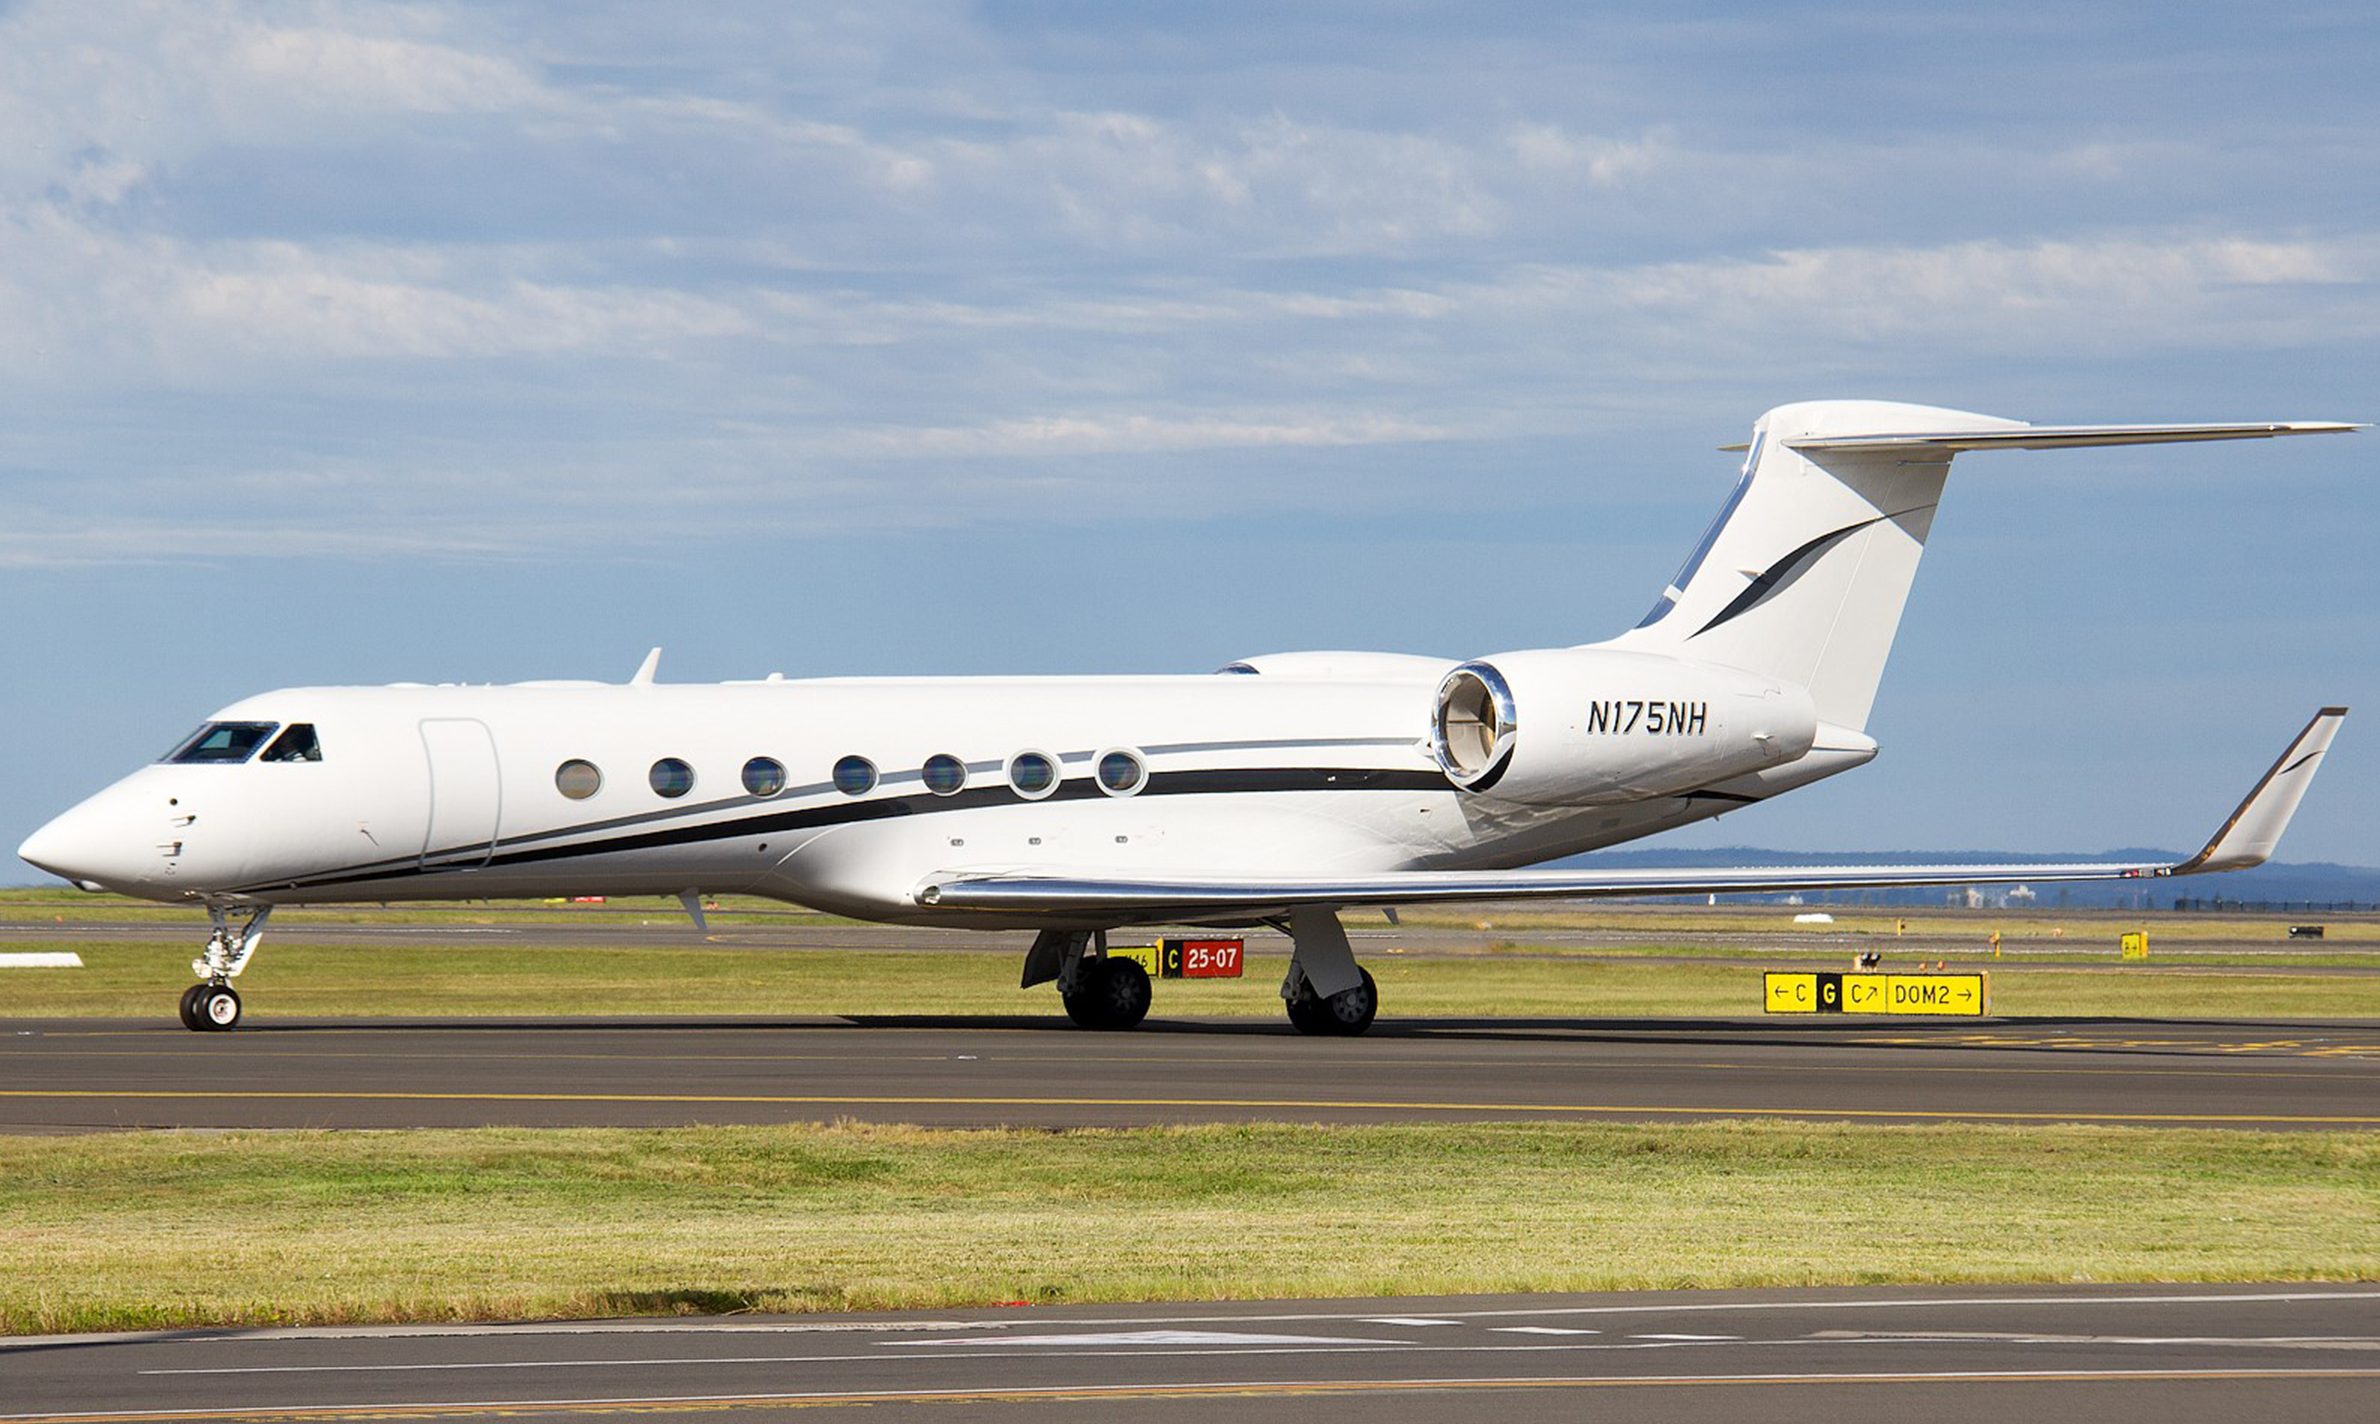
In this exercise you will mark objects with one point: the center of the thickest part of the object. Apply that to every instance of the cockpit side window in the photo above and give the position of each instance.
(223, 742)
(297, 744)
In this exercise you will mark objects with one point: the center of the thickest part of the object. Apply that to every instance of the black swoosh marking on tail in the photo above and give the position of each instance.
(1779, 576)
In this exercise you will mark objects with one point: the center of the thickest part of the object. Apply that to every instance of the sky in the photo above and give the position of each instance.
(348, 342)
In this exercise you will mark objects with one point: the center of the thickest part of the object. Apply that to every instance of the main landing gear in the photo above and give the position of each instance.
(1107, 993)
(1098, 992)
(212, 1005)
(1350, 1011)
(1325, 991)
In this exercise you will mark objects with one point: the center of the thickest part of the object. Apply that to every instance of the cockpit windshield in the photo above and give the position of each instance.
(223, 742)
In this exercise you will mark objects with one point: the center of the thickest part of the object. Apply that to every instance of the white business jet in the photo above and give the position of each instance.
(1279, 791)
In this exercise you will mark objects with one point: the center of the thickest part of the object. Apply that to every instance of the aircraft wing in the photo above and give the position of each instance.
(2247, 838)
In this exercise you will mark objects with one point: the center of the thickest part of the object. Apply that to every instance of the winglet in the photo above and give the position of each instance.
(2255, 828)
(645, 671)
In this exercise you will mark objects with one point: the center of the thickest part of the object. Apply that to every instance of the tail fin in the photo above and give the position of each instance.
(1804, 573)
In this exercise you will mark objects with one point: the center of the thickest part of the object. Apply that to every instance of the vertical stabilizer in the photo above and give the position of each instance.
(1804, 573)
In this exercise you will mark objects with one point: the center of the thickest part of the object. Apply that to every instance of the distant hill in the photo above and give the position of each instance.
(2279, 885)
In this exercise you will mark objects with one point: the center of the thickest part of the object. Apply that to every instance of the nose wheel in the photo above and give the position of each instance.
(210, 1008)
(212, 1005)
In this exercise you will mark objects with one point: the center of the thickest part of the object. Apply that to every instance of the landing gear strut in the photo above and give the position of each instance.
(212, 1005)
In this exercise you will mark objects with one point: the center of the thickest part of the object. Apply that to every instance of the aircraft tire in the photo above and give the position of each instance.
(219, 1008)
(1351, 1011)
(1344, 1014)
(190, 1018)
(1124, 994)
(1115, 995)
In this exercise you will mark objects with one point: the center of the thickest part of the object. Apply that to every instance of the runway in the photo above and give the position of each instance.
(2116, 1353)
(80, 1074)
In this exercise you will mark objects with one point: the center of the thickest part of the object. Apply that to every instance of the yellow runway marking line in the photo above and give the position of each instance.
(1299, 1104)
(1194, 1390)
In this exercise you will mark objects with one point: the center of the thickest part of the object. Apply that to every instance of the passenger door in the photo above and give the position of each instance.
(466, 798)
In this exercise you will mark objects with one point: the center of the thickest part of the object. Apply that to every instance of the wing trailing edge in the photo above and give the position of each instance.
(2247, 838)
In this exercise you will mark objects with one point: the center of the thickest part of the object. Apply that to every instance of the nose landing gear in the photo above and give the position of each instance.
(212, 1005)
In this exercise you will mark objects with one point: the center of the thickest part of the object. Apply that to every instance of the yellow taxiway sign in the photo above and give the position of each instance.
(1968, 995)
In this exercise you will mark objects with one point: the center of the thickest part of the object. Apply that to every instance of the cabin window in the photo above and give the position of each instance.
(855, 776)
(297, 744)
(1033, 774)
(223, 742)
(944, 774)
(577, 780)
(671, 777)
(1121, 773)
(764, 776)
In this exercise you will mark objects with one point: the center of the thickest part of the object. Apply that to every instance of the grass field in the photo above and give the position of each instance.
(177, 1229)
(434, 979)
(123, 1231)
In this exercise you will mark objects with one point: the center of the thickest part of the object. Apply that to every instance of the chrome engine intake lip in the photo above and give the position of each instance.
(1473, 726)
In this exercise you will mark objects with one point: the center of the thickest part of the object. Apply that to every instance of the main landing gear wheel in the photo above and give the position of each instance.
(1348, 1012)
(217, 1006)
(190, 1018)
(1112, 994)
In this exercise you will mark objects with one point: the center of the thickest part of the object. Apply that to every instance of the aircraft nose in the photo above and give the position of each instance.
(73, 847)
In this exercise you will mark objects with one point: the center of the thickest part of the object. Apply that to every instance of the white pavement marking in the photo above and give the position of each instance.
(1142, 1337)
(1685, 1337)
(1405, 1320)
(1541, 1330)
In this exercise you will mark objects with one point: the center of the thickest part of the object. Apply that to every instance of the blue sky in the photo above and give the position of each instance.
(477, 342)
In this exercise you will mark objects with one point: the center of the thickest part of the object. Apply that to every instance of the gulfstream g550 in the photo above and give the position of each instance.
(1280, 791)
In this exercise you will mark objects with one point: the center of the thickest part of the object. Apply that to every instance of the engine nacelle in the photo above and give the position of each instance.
(1579, 726)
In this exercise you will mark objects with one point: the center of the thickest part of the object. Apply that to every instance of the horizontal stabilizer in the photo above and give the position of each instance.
(2244, 840)
(2059, 437)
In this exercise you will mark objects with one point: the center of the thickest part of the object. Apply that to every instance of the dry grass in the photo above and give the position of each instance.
(133, 1230)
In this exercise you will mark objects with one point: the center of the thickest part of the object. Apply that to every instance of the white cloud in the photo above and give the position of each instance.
(149, 83)
(1135, 434)
(1548, 148)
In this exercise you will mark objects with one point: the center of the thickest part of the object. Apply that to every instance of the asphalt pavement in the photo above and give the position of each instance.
(84, 1074)
(2114, 1354)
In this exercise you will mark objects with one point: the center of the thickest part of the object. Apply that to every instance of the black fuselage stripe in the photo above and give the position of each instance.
(1218, 782)
(444, 857)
